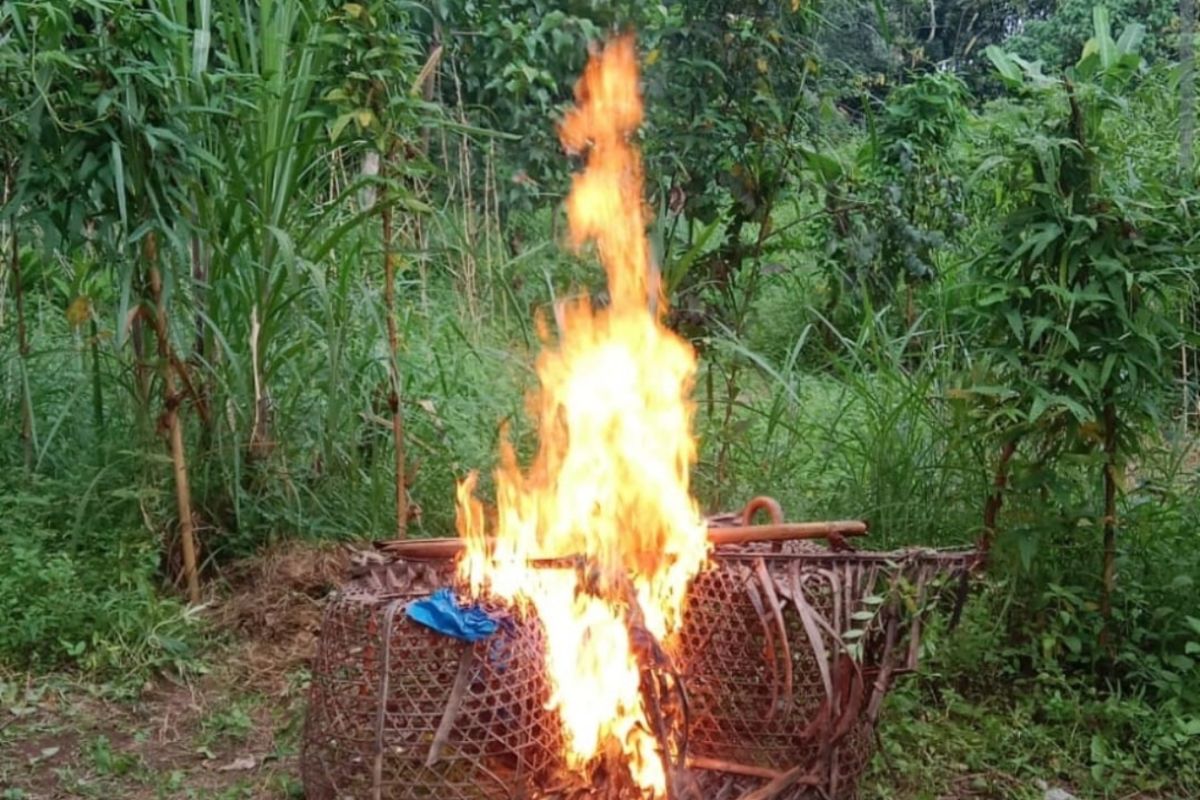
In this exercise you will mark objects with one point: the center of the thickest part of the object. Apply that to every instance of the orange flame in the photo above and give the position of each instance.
(609, 485)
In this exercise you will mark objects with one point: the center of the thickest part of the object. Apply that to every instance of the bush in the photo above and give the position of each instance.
(89, 602)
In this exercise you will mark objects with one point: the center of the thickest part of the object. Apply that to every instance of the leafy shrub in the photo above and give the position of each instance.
(90, 602)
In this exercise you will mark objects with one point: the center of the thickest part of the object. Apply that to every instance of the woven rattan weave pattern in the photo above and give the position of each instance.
(788, 656)
(399, 711)
(786, 653)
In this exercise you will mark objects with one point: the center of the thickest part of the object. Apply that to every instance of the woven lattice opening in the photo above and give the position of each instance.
(785, 656)
(378, 721)
(788, 657)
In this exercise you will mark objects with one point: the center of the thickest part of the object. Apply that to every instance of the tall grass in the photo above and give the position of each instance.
(868, 434)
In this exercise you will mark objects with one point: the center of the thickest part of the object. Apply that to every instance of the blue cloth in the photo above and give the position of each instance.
(442, 612)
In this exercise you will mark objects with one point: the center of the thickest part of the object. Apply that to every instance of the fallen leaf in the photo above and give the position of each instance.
(245, 762)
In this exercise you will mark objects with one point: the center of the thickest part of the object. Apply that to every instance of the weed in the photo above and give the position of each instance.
(229, 724)
(106, 761)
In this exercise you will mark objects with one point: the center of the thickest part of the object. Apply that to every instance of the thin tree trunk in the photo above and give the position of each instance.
(14, 256)
(991, 509)
(991, 515)
(1184, 378)
(199, 282)
(260, 428)
(427, 79)
(389, 301)
(1187, 131)
(1109, 569)
(97, 386)
(1187, 87)
(141, 369)
(200, 345)
(171, 422)
(723, 453)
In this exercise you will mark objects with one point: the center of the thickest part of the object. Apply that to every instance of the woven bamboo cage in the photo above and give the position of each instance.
(399, 711)
(789, 653)
(787, 650)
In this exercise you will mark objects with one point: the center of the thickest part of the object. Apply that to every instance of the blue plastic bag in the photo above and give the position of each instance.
(441, 612)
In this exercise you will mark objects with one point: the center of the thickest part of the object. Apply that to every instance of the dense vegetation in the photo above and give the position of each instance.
(272, 270)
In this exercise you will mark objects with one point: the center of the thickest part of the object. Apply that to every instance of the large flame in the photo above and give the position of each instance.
(608, 488)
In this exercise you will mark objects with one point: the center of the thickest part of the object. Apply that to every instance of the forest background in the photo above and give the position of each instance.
(272, 273)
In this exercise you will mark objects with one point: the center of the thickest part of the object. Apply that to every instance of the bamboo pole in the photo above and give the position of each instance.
(1187, 132)
(1109, 562)
(389, 301)
(14, 256)
(171, 422)
(1187, 88)
(718, 536)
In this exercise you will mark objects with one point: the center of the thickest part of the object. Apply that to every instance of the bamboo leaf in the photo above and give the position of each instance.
(808, 618)
(119, 184)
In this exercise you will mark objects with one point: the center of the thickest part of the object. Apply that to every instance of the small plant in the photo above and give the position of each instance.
(93, 602)
(229, 724)
(106, 761)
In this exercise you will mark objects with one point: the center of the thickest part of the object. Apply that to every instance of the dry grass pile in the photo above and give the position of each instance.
(275, 602)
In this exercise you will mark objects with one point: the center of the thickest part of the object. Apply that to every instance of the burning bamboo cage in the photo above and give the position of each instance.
(787, 650)
(399, 710)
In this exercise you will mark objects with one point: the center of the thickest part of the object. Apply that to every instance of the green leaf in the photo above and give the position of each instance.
(678, 269)
(992, 391)
(1077, 410)
(365, 117)
(119, 180)
(994, 296)
(828, 168)
(1038, 406)
(1044, 235)
(339, 125)
(1004, 64)
(1181, 663)
(986, 166)
(1131, 38)
(1106, 370)
(1014, 322)
(1037, 328)
(885, 30)
(1105, 45)
(1027, 547)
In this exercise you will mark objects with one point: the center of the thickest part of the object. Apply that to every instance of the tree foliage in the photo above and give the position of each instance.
(936, 258)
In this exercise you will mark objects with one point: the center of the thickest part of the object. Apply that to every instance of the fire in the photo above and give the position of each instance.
(608, 490)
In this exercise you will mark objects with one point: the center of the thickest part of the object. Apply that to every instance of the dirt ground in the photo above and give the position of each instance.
(232, 731)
